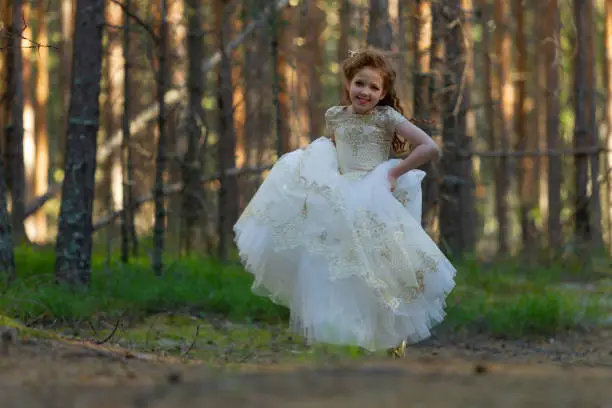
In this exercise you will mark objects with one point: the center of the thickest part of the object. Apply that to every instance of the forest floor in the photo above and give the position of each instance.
(231, 365)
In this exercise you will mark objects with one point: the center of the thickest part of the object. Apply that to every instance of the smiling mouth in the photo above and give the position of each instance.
(362, 101)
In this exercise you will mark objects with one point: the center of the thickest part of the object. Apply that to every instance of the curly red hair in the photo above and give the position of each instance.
(375, 59)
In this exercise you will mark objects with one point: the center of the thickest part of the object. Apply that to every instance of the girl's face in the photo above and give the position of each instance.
(366, 90)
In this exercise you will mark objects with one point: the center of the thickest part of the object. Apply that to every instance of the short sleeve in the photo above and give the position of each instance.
(330, 121)
(393, 119)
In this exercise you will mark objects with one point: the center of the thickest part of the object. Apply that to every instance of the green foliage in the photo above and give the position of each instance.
(507, 299)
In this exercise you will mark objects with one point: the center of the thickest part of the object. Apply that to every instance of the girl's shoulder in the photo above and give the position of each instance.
(334, 111)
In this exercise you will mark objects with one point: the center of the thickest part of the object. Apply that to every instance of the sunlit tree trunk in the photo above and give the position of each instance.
(41, 177)
(422, 44)
(526, 183)
(74, 238)
(161, 162)
(29, 148)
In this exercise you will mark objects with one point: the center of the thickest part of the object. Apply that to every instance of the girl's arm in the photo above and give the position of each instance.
(424, 149)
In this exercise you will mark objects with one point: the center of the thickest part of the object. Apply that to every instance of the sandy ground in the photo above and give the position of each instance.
(573, 371)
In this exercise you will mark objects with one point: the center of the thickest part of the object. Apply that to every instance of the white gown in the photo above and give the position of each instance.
(325, 237)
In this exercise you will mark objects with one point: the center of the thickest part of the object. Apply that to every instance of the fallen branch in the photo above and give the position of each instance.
(193, 342)
(111, 335)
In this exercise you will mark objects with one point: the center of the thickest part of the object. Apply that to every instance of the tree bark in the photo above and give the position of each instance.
(14, 135)
(74, 238)
(380, 32)
(503, 45)
(456, 174)
(581, 130)
(553, 108)
(192, 164)
(159, 229)
(41, 179)
(526, 164)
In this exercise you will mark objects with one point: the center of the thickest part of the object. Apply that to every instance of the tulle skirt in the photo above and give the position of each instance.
(348, 257)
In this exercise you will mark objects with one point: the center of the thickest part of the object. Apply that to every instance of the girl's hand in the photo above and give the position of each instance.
(392, 180)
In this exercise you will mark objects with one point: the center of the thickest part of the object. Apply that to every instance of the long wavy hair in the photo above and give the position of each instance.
(375, 59)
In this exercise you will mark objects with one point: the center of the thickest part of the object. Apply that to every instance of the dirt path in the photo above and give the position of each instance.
(575, 371)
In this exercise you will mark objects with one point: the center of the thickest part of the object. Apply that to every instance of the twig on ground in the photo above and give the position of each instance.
(112, 333)
(193, 342)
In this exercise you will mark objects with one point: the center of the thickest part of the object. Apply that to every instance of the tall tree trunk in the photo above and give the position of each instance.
(27, 116)
(74, 237)
(422, 30)
(112, 184)
(593, 128)
(159, 228)
(380, 32)
(503, 43)
(128, 226)
(192, 164)
(227, 203)
(14, 135)
(608, 71)
(456, 103)
(526, 165)
(313, 26)
(7, 257)
(552, 49)
(581, 128)
(469, 215)
(41, 179)
(343, 41)
(67, 27)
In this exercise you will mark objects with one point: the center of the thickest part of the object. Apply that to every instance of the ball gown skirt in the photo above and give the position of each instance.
(348, 257)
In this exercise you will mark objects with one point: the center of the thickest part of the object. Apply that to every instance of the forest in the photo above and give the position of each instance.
(133, 133)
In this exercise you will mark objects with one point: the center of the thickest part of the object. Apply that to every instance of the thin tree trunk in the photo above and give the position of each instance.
(343, 41)
(7, 257)
(159, 228)
(15, 164)
(581, 129)
(67, 27)
(422, 24)
(608, 72)
(593, 132)
(504, 89)
(74, 238)
(28, 116)
(469, 215)
(227, 203)
(526, 182)
(41, 180)
(552, 49)
(128, 227)
(192, 167)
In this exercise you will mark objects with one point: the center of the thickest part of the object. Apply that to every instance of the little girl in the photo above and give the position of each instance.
(334, 231)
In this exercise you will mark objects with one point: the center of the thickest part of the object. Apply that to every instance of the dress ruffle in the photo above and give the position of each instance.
(348, 257)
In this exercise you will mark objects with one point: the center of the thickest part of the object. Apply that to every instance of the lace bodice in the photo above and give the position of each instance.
(362, 141)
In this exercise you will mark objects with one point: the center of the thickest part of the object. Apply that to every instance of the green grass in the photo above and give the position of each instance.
(508, 299)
